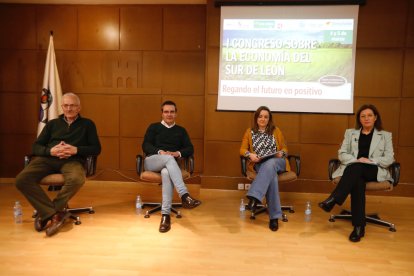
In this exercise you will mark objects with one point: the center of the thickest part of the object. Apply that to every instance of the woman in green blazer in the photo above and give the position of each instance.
(365, 154)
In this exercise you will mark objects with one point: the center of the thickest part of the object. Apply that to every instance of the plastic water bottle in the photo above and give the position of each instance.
(18, 212)
(242, 208)
(138, 205)
(308, 211)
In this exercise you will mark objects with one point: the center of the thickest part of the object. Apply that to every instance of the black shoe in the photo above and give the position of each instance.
(40, 224)
(327, 204)
(189, 202)
(273, 224)
(165, 224)
(357, 234)
(252, 205)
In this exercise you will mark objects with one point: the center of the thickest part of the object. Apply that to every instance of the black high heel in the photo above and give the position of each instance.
(328, 204)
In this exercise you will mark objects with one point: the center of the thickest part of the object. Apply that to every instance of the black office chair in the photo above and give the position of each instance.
(187, 168)
(55, 182)
(283, 177)
(370, 186)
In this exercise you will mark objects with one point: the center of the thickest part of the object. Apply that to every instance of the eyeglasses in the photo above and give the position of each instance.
(71, 106)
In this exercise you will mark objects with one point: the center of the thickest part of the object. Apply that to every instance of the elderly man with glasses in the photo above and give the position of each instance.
(61, 147)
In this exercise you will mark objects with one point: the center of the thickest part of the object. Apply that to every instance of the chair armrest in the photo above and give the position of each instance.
(89, 165)
(332, 166)
(290, 158)
(395, 172)
(139, 163)
(296, 159)
(243, 163)
(189, 164)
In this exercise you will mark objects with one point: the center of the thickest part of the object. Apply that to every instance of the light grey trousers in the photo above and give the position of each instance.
(171, 177)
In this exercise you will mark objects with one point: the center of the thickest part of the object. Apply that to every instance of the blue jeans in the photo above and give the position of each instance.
(266, 184)
(171, 177)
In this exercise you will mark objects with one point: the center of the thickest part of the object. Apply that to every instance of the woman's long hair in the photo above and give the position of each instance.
(270, 125)
(378, 122)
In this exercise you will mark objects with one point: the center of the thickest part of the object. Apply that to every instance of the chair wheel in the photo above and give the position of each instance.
(179, 216)
(146, 216)
(331, 219)
(285, 219)
(392, 229)
(78, 222)
(92, 212)
(252, 217)
(291, 211)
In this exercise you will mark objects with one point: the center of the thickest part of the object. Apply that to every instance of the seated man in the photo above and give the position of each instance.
(61, 147)
(163, 142)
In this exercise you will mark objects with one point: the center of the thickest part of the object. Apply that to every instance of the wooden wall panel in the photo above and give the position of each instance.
(212, 71)
(18, 27)
(103, 110)
(62, 20)
(408, 77)
(198, 155)
(18, 70)
(323, 129)
(141, 27)
(152, 71)
(407, 124)
(410, 25)
(184, 27)
(160, 52)
(382, 23)
(12, 153)
(225, 126)
(128, 71)
(109, 157)
(378, 73)
(405, 157)
(183, 73)
(289, 124)
(137, 113)
(129, 148)
(19, 113)
(314, 160)
(88, 71)
(213, 25)
(190, 113)
(222, 158)
(98, 27)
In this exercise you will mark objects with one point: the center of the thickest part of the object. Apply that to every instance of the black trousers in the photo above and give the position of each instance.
(353, 181)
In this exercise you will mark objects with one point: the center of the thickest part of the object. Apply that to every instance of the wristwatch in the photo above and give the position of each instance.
(247, 154)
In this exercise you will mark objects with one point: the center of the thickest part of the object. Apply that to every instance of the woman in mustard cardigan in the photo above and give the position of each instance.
(265, 147)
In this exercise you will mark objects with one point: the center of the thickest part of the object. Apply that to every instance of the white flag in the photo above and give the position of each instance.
(51, 97)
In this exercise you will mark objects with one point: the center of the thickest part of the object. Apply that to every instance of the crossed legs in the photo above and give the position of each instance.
(27, 182)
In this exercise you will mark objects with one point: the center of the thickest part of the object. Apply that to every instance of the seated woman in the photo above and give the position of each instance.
(365, 154)
(265, 147)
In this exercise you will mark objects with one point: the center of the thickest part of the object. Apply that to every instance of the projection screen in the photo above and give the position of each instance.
(289, 58)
